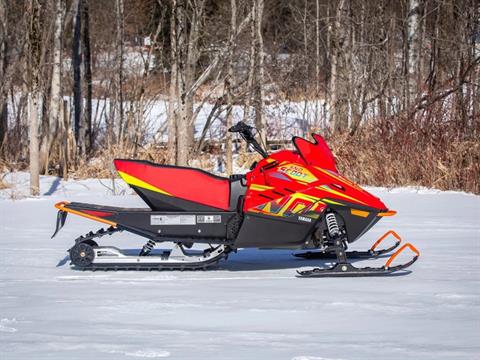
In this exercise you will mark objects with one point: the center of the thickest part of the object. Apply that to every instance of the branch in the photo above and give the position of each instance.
(220, 56)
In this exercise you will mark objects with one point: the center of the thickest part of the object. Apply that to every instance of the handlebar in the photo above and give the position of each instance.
(240, 127)
(247, 134)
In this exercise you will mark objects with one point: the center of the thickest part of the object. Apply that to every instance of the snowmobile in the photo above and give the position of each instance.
(291, 199)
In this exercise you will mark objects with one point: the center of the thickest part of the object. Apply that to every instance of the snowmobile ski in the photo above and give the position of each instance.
(346, 269)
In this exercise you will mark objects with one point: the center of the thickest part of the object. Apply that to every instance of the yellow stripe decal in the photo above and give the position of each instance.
(332, 202)
(132, 180)
(339, 178)
(258, 187)
(338, 193)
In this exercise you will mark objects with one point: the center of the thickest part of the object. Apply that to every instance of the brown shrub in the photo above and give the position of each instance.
(408, 156)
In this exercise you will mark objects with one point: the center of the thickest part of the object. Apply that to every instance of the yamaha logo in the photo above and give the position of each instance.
(303, 218)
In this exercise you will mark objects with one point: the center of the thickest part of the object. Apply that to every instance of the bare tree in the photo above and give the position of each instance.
(182, 119)
(338, 40)
(34, 94)
(229, 85)
(173, 95)
(87, 66)
(55, 86)
(260, 120)
(3, 68)
(119, 10)
(413, 49)
(79, 127)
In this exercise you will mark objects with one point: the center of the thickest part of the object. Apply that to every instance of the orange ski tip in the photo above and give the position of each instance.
(387, 213)
(396, 253)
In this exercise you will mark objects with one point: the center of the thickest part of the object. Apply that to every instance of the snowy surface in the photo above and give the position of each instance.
(251, 307)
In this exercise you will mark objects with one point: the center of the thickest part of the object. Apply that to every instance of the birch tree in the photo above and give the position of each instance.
(338, 40)
(172, 101)
(260, 121)
(182, 119)
(55, 86)
(413, 48)
(229, 85)
(119, 10)
(34, 94)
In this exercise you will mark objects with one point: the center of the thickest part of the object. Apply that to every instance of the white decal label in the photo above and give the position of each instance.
(172, 220)
(303, 218)
(209, 219)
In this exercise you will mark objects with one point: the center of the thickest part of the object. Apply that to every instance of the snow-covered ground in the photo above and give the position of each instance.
(251, 307)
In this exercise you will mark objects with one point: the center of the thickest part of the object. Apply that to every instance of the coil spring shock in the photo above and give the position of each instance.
(332, 224)
(147, 248)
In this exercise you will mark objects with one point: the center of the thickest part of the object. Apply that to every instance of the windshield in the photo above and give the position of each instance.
(316, 153)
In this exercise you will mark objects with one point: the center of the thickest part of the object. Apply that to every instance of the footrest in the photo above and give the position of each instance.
(396, 253)
(371, 253)
(375, 252)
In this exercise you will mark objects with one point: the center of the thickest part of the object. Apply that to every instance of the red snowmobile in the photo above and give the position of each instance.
(291, 199)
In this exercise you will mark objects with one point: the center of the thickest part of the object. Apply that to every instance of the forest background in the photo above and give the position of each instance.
(392, 85)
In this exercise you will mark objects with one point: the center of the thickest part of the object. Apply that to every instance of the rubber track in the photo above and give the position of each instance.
(156, 267)
(144, 267)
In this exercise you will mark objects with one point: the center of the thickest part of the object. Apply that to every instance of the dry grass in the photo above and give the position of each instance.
(409, 158)
(377, 155)
(4, 185)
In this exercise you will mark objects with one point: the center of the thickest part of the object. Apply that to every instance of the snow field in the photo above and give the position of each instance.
(250, 307)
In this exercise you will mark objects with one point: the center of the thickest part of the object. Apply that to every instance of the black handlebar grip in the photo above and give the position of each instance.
(239, 127)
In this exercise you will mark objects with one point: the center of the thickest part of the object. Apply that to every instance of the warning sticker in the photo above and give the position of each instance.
(209, 219)
(172, 220)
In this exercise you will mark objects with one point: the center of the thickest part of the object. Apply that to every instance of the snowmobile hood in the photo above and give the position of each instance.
(318, 155)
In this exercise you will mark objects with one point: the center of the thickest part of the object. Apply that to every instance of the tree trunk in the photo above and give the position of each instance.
(229, 85)
(251, 72)
(413, 35)
(34, 41)
(3, 68)
(260, 121)
(173, 99)
(191, 66)
(55, 89)
(33, 105)
(64, 124)
(79, 128)
(317, 63)
(182, 120)
(336, 121)
(119, 71)
(87, 70)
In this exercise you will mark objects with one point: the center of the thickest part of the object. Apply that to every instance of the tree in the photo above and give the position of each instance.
(413, 49)
(56, 99)
(173, 95)
(229, 85)
(3, 68)
(34, 94)
(79, 126)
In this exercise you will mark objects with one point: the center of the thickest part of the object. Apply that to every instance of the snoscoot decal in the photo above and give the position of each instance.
(295, 204)
(298, 173)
